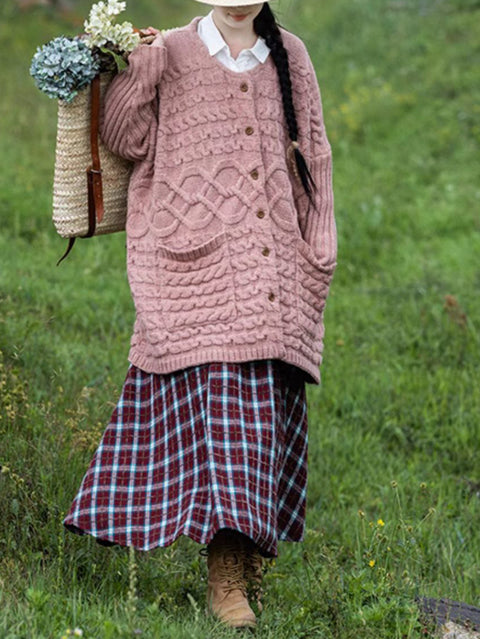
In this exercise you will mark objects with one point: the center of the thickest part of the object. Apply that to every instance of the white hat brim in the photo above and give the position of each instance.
(229, 3)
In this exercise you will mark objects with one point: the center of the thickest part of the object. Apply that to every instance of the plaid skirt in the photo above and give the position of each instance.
(218, 445)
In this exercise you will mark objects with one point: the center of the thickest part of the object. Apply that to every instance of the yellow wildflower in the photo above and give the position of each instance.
(381, 523)
(371, 563)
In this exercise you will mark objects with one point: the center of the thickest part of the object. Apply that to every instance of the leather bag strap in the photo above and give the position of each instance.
(94, 172)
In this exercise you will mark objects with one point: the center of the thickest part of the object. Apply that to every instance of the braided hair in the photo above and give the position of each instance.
(266, 26)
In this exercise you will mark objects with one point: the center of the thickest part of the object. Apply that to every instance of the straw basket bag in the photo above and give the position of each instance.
(90, 183)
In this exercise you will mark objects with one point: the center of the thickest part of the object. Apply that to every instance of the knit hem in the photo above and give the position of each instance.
(297, 359)
(166, 365)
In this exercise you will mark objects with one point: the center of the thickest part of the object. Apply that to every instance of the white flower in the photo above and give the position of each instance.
(101, 30)
(114, 7)
(94, 40)
(123, 36)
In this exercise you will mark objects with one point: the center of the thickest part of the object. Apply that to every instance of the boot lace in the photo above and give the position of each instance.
(231, 570)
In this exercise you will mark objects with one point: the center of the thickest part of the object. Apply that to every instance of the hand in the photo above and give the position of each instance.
(148, 35)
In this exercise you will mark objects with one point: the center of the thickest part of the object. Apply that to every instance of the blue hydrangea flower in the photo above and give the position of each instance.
(63, 66)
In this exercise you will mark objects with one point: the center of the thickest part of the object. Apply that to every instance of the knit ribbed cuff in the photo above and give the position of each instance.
(320, 230)
(147, 63)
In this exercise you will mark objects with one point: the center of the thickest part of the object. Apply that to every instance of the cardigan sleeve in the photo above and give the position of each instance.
(319, 229)
(130, 105)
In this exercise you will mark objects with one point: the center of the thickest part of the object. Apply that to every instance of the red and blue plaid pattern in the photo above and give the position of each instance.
(219, 445)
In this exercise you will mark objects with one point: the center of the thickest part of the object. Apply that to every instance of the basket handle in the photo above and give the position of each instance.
(94, 172)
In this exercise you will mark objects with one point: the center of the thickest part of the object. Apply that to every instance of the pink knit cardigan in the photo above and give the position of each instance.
(225, 262)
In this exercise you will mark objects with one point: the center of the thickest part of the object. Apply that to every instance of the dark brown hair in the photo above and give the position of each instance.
(266, 26)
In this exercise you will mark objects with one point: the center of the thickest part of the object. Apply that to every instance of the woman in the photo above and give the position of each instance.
(231, 248)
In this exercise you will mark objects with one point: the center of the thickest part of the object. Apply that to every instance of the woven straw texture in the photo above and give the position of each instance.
(72, 158)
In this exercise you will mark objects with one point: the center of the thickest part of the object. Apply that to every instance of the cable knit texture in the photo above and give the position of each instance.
(225, 262)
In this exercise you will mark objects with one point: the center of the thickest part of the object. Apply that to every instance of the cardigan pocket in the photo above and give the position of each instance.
(197, 285)
(312, 289)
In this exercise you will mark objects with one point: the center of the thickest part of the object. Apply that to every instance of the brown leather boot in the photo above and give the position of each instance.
(253, 571)
(227, 588)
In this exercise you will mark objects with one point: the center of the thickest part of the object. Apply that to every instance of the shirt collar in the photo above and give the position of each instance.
(215, 42)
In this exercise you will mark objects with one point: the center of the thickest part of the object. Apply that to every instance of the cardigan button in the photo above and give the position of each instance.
(249, 130)
(244, 87)
(261, 214)
(266, 252)
(254, 174)
(271, 297)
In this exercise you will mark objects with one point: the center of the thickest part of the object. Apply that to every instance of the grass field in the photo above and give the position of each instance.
(394, 479)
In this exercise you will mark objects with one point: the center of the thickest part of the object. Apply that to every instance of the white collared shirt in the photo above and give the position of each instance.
(247, 58)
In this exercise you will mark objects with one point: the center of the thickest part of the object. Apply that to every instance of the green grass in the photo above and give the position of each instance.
(394, 428)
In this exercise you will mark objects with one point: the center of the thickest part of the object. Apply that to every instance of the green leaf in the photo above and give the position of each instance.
(119, 61)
